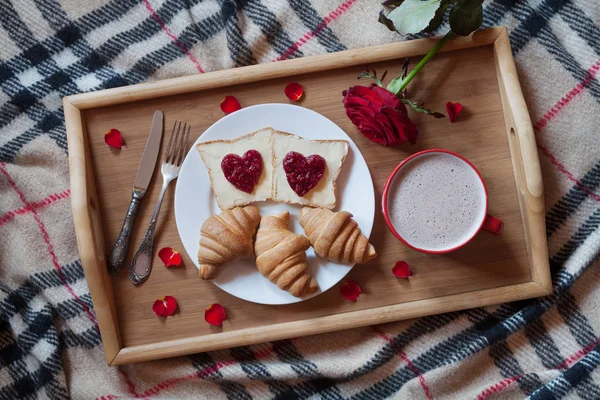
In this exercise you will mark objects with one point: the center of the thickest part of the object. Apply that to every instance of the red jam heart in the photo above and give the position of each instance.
(303, 173)
(243, 172)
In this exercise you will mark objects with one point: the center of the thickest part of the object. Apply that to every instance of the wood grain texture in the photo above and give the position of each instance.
(90, 240)
(489, 270)
(525, 158)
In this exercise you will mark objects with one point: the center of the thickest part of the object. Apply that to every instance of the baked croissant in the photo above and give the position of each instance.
(281, 255)
(226, 237)
(335, 236)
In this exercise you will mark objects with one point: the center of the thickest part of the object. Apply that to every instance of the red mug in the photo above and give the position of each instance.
(484, 221)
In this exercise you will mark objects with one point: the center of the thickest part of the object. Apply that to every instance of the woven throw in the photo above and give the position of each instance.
(50, 346)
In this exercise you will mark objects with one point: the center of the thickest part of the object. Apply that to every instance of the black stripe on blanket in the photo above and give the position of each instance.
(90, 60)
(578, 323)
(385, 354)
(233, 390)
(318, 384)
(576, 240)
(545, 347)
(150, 63)
(71, 273)
(495, 11)
(311, 19)
(571, 201)
(87, 339)
(534, 24)
(30, 374)
(256, 370)
(572, 377)
(145, 30)
(504, 359)
(270, 27)
(582, 24)
(239, 51)
(500, 351)
(531, 24)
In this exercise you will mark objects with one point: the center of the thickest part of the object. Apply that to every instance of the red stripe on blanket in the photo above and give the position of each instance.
(205, 372)
(407, 360)
(209, 370)
(553, 112)
(128, 381)
(341, 9)
(51, 252)
(34, 206)
(569, 175)
(497, 387)
(566, 99)
(169, 33)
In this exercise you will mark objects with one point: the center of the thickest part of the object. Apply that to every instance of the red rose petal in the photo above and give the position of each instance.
(401, 270)
(453, 110)
(114, 139)
(350, 290)
(215, 314)
(230, 104)
(169, 257)
(294, 91)
(164, 306)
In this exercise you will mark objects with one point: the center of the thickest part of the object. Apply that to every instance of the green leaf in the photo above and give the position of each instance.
(394, 85)
(386, 21)
(438, 18)
(421, 109)
(466, 16)
(414, 15)
(371, 76)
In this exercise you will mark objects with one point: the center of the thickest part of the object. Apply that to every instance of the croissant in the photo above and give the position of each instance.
(226, 237)
(336, 236)
(281, 255)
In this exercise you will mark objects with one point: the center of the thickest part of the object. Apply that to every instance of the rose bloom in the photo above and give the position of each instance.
(379, 115)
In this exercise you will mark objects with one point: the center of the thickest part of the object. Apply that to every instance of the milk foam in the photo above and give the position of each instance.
(436, 202)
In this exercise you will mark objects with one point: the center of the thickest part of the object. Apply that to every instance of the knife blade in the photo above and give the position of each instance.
(148, 161)
(142, 180)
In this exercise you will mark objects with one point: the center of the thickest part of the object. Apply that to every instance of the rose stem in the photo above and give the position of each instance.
(404, 82)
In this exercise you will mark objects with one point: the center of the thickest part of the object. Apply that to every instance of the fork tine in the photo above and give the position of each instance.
(173, 152)
(170, 141)
(184, 139)
(177, 145)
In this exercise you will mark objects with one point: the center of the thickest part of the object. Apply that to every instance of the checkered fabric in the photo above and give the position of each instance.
(49, 341)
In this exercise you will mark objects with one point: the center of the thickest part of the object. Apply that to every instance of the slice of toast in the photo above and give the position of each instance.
(324, 194)
(212, 153)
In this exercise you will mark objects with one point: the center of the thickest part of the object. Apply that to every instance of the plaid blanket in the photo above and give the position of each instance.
(49, 341)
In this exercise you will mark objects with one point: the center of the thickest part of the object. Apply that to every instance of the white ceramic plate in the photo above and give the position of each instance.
(195, 201)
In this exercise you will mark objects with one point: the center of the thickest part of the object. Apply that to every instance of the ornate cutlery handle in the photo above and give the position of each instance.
(142, 260)
(119, 250)
(141, 264)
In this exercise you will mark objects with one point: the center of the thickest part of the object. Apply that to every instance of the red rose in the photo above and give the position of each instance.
(379, 115)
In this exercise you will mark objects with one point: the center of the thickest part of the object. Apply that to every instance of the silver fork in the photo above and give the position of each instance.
(141, 265)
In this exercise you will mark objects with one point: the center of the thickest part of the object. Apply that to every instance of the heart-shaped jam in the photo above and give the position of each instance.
(303, 173)
(243, 172)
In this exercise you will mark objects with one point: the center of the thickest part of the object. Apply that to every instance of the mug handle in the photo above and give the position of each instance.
(492, 224)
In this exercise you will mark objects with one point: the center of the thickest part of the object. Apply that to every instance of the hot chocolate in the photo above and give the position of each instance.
(436, 202)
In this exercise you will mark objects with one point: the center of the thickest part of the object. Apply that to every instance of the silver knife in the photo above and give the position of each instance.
(142, 180)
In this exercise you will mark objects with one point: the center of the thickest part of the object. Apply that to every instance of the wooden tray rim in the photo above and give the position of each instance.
(90, 237)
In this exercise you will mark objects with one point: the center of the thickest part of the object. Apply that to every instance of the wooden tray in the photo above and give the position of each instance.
(494, 132)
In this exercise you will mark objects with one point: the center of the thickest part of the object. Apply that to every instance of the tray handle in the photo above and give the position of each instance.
(522, 125)
(525, 161)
